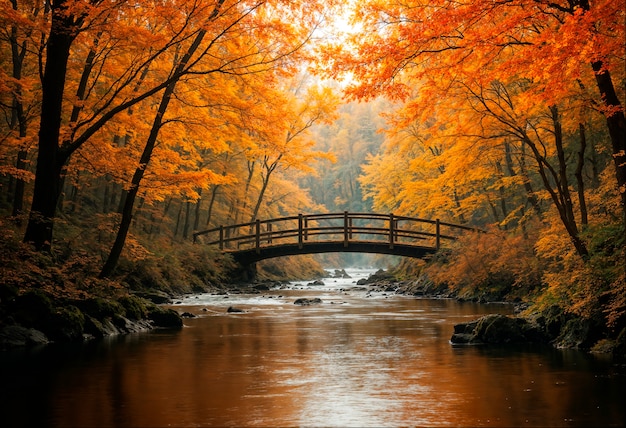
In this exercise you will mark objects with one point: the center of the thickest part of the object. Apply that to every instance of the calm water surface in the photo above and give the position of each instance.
(358, 359)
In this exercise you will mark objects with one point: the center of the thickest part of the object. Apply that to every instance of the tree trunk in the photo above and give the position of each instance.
(563, 183)
(131, 195)
(531, 198)
(122, 233)
(257, 206)
(187, 218)
(617, 130)
(244, 202)
(74, 192)
(196, 220)
(178, 216)
(558, 199)
(50, 160)
(163, 216)
(18, 193)
(579, 175)
(211, 202)
(269, 169)
(18, 119)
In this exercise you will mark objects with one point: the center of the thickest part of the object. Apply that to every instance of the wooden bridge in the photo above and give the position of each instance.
(335, 232)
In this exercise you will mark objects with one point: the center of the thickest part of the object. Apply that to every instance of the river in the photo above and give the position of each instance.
(357, 359)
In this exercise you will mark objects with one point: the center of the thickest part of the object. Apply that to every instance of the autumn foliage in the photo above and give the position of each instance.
(178, 114)
(127, 126)
(511, 115)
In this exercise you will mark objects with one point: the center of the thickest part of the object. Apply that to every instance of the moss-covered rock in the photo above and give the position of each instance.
(135, 307)
(32, 309)
(163, 317)
(578, 333)
(498, 329)
(100, 307)
(99, 328)
(66, 324)
(551, 320)
(154, 296)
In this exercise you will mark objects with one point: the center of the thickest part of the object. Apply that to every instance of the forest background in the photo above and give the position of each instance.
(128, 125)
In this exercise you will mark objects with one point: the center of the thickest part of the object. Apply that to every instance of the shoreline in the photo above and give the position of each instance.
(35, 318)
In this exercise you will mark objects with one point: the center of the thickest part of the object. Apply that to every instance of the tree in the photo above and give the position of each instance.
(286, 145)
(120, 71)
(422, 52)
(263, 58)
(17, 102)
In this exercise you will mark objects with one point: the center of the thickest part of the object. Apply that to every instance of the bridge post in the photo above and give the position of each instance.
(437, 234)
(346, 237)
(221, 237)
(306, 228)
(269, 233)
(350, 228)
(395, 230)
(257, 240)
(300, 231)
(391, 230)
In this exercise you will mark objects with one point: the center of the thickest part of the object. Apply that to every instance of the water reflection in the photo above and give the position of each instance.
(365, 362)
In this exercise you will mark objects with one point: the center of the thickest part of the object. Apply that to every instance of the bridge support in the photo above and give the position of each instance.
(243, 272)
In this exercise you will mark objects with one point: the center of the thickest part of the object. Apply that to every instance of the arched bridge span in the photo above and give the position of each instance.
(331, 232)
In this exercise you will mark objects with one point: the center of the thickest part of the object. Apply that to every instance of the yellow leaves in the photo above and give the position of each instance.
(488, 261)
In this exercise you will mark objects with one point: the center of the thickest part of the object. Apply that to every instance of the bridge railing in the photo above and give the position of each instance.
(345, 226)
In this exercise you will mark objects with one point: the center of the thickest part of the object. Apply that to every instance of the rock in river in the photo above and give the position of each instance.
(306, 302)
(497, 329)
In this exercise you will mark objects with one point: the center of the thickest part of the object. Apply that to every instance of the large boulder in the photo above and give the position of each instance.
(35, 309)
(32, 309)
(12, 336)
(66, 324)
(578, 333)
(497, 329)
(163, 317)
(100, 327)
(340, 273)
(379, 276)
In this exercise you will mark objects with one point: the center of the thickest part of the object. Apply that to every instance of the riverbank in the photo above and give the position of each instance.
(552, 326)
(46, 298)
(56, 297)
(37, 318)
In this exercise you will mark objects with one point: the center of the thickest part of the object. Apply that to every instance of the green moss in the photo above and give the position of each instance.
(67, 323)
(134, 307)
(99, 307)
